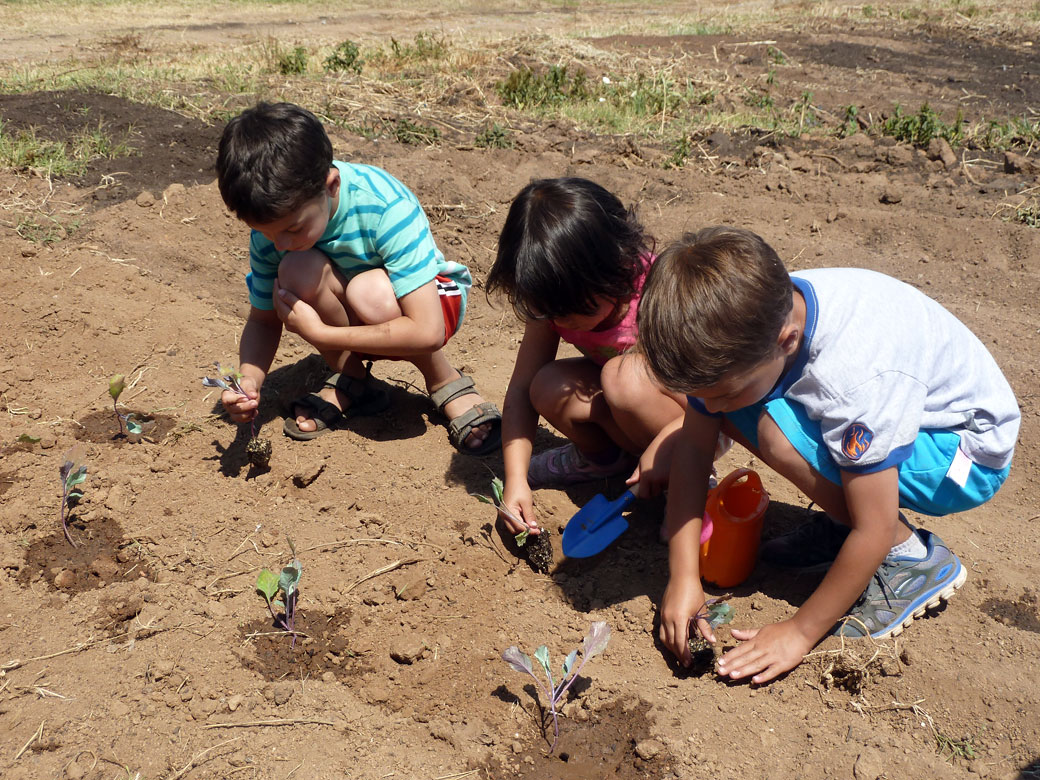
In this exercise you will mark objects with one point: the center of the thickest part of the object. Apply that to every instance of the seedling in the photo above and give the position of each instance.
(258, 450)
(269, 585)
(539, 548)
(593, 644)
(73, 472)
(116, 385)
(716, 612)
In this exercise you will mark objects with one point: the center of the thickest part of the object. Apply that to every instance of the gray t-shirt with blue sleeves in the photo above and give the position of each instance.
(378, 224)
(881, 361)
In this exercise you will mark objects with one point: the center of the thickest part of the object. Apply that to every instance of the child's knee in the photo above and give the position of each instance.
(305, 273)
(625, 384)
(370, 295)
(547, 390)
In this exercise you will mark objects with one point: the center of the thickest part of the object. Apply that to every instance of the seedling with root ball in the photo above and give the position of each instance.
(73, 472)
(539, 548)
(258, 450)
(269, 585)
(593, 644)
(116, 385)
(716, 612)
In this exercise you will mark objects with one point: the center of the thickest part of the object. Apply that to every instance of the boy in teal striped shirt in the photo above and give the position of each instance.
(342, 255)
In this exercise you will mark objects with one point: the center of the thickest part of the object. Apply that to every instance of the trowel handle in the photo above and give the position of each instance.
(622, 501)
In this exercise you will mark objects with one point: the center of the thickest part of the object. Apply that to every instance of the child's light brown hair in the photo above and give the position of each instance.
(713, 303)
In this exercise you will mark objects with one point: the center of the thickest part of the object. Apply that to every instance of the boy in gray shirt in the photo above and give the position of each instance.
(862, 391)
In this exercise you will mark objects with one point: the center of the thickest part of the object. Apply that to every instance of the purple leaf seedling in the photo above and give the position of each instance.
(73, 472)
(594, 644)
(716, 612)
(269, 585)
(116, 385)
(539, 548)
(257, 450)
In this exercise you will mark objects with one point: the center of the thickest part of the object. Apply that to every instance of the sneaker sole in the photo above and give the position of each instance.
(921, 605)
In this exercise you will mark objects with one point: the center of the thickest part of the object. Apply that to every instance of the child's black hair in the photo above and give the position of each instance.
(566, 241)
(272, 159)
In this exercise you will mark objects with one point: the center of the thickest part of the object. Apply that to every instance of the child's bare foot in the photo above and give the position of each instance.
(341, 396)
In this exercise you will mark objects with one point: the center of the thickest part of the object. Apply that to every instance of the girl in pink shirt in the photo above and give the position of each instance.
(571, 260)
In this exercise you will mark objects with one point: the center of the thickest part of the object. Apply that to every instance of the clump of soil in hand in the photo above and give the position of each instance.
(703, 653)
(539, 551)
(259, 452)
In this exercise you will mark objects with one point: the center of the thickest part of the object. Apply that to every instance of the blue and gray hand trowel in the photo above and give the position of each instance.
(596, 525)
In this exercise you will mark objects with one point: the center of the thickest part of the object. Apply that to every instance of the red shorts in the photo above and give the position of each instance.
(450, 295)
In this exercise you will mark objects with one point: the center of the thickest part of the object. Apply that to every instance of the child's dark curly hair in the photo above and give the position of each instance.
(272, 159)
(566, 242)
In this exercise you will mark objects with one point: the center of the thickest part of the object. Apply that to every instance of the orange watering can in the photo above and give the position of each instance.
(734, 511)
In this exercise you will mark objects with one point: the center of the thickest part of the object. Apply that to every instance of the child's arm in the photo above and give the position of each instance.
(419, 330)
(873, 504)
(256, 351)
(655, 464)
(520, 419)
(688, 491)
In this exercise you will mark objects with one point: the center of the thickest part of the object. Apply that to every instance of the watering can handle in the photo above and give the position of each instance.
(736, 475)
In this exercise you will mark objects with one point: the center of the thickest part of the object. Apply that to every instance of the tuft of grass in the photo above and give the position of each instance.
(525, 89)
(414, 133)
(292, 62)
(345, 57)
(26, 151)
(426, 46)
(920, 128)
(494, 136)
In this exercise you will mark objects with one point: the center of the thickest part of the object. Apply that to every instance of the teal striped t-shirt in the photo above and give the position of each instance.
(378, 224)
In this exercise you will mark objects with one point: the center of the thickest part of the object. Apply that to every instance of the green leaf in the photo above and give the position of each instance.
(482, 499)
(497, 489)
(542, 656)
(290, 578)
(25, 438)
(116, 385)
(596, 640)
(521, 538)
(719, 613)
(267, 584)
(75, 477)
(132, 426)
(568, 663)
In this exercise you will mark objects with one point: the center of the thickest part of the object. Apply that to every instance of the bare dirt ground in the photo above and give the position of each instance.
(145, 651)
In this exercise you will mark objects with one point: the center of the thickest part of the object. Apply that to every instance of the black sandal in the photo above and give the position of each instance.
(364, 400)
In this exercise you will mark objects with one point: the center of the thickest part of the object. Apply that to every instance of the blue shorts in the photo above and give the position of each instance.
(926, 484)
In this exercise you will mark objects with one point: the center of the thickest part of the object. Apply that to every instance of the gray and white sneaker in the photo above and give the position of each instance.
(902, 589)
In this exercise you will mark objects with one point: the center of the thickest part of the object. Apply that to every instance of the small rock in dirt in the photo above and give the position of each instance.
(65, 579)
(23, 374)
(649, 749)
(307, 473)
(215, 610)
(410, 589)
(939, 149)
(407, 650)
(891, 194)
(377, 692)
(46, 442)
(1016, 163)
(235, 702)
(328, 677)
(104, 568)
(868, 765)
(281, 693)
(36, 414)
(905, 657)
(145, 199)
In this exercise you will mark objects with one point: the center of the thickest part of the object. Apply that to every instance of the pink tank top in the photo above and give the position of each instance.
(600, 346)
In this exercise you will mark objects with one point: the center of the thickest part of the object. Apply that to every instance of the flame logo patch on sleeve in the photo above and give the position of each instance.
(856, 440)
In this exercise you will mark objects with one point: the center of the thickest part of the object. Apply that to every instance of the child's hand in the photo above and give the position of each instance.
(520, 501)
(682, 599)
(650, 476)
(765, 652)
(240, 409)
(298, 316)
